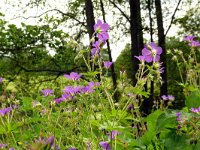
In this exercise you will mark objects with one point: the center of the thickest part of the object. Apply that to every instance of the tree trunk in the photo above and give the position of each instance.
(89, 9)
(161, 43)
(89, 17)
(136, 36)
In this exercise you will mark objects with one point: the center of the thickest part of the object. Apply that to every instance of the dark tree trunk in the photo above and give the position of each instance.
(89, 17)
(109, 54)
(148, 102)
(89, 9)
(161, 43)
(136, 35)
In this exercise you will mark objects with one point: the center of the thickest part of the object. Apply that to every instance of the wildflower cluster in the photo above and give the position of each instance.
(192, 42)
(101, 35)
(70, 92)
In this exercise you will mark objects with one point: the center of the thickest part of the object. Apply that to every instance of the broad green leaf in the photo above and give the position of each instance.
(193, 100)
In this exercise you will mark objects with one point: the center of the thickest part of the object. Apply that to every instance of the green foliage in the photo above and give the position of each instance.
(189, 23)
(193, 100)
(123, 62)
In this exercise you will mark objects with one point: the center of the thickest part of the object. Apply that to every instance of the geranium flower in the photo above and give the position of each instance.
(107, 64)
(59, 100)
(164, 97)
(188, 38)
(195, 110)
(168, 97)
(3, 145)
(71, 90)
(72, 148)
(153, 54)
(5, 111)
(73, 76)
(50, 141)
(101, 30)
(114, 134)
(194, 44)
(47, 92)
(105, 145)
(1, 79)
(140, 58)
(171, 97)
(96, 48)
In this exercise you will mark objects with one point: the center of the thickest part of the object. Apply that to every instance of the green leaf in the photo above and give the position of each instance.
(27, 103)
(151, 127)
(2, 130)
(193, 100)
(166, 120)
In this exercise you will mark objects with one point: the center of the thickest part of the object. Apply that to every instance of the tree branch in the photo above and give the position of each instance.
(172, 19)
(125, 15)
(70, 15)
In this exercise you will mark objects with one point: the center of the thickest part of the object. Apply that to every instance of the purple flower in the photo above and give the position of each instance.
(140, 58)
(72, 90)
(101, 30)
(178, 114)
(73, 76)
(92, 84)
(188, 38)
(104, 145)
(59, 100)
(47, 92)
(50, 141)
(2, 145)
(194, 44)
(87, 89)
(107, 64)
(66, 96)
(11, 148)
(5, 111)
(153, 54)
(195, 110)
(179, 127)
(130, 107)
(96, 48)
(114, 134)
(164, 97)
(72, 149)
(161, 70)
(1, 79)
(171, 97)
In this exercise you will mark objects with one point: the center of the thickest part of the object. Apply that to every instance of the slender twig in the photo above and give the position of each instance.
(57, 10)
(172, 19)
(125, 15)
